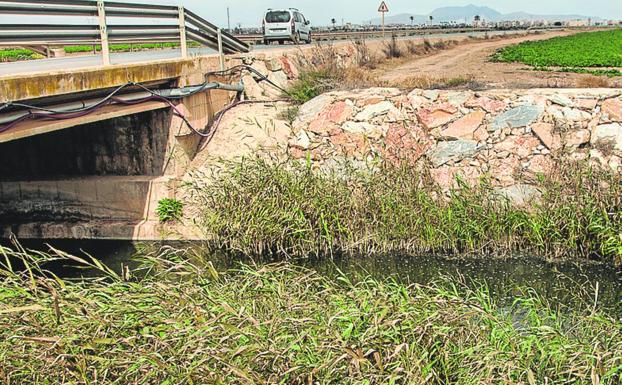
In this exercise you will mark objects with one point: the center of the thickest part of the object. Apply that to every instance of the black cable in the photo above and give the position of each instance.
(59, 115)
(104, 100)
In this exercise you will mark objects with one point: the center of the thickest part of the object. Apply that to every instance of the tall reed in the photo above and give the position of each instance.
(291, 209)
(184, 323)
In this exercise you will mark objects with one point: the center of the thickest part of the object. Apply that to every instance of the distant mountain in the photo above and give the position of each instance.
(467, 13)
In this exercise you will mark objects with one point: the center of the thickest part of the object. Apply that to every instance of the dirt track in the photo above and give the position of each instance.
(471, 60)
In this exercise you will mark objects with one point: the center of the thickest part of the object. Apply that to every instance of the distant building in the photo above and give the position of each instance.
(578, 23)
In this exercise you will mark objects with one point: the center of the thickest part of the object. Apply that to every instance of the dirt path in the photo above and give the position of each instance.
(471, 60)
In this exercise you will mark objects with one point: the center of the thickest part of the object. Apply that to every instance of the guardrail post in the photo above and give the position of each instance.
(182, 32)
(220, 52)
(103, 32)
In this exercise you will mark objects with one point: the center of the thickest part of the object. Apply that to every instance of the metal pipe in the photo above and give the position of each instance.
(170, 92)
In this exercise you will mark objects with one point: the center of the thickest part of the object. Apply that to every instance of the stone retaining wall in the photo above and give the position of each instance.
(506, 134)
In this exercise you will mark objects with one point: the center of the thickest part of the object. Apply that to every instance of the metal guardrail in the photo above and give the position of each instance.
(344, 35)
(187, 26)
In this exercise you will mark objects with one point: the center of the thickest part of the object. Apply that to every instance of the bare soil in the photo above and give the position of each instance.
(471, 60)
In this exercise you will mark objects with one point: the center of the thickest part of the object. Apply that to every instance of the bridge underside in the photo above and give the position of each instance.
(101, 175)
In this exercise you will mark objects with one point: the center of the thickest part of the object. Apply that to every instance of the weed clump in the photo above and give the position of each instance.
(169, 210)
(391, 48)
(293, 210)
(324, 71)
(187, 323)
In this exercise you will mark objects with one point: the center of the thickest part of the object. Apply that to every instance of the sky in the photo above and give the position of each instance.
(320, 12)
(249, 13)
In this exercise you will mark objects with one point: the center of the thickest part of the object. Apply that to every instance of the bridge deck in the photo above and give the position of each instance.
(31, 128)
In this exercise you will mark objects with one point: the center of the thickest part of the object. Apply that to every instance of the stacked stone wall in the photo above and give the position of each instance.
(506, 134)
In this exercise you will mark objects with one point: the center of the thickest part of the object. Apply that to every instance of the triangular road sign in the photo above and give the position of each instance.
(383, 7)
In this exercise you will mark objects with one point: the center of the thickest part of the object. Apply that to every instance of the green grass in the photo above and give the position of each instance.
(311, 84)
(185, 323)
(120, 47)
(169, 210)
(588, 49)
(292, 210)
(8, 55)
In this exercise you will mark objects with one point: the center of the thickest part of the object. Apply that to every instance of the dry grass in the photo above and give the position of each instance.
(392, 48)
(326, 68)
(364, 57)
(428, 82)
(593, 82)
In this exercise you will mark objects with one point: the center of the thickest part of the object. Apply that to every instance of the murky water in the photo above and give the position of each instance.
(559, 283)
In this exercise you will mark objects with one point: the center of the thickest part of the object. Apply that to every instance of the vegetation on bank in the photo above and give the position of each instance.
(323, 70)
(290, 209)
(184, 323)
(572, 53)
(10, 54)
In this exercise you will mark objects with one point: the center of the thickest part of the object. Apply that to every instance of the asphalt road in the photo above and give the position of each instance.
(87, 61)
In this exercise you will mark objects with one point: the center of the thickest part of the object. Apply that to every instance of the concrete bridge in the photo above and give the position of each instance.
(88, 152)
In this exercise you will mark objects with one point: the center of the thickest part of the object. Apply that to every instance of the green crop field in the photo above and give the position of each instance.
(588, 49)
(11, 54)
(120, 47)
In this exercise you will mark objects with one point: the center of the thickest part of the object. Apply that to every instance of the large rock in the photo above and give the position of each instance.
(608, 133)
(544, 131)
(520, 195)
(417, 101)
(457, 98)
(561, 100)
(405, 143)
(437, 115)
(577, 138)
(487, 104)
(455, 151)
(431, 95)
(375, 110)
(447, 177)
(362, 128)
(331, 117)
(313, 107)
(522, 146)
(274, 64)
(252, 90)
(279, 78)
(290, 69)
(612, 109)
(517, 117)
(464, 127)
(586, 104)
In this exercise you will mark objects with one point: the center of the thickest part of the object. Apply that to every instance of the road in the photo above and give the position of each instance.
(121, 58)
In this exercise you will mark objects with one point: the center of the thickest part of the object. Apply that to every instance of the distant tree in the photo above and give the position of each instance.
(431, 19)
(476, 20)
(412, 21)
(333, 21)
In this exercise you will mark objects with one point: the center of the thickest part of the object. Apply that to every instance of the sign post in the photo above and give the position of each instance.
(383, 9)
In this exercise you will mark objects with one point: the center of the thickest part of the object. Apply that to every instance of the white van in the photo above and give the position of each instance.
(285, 25)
